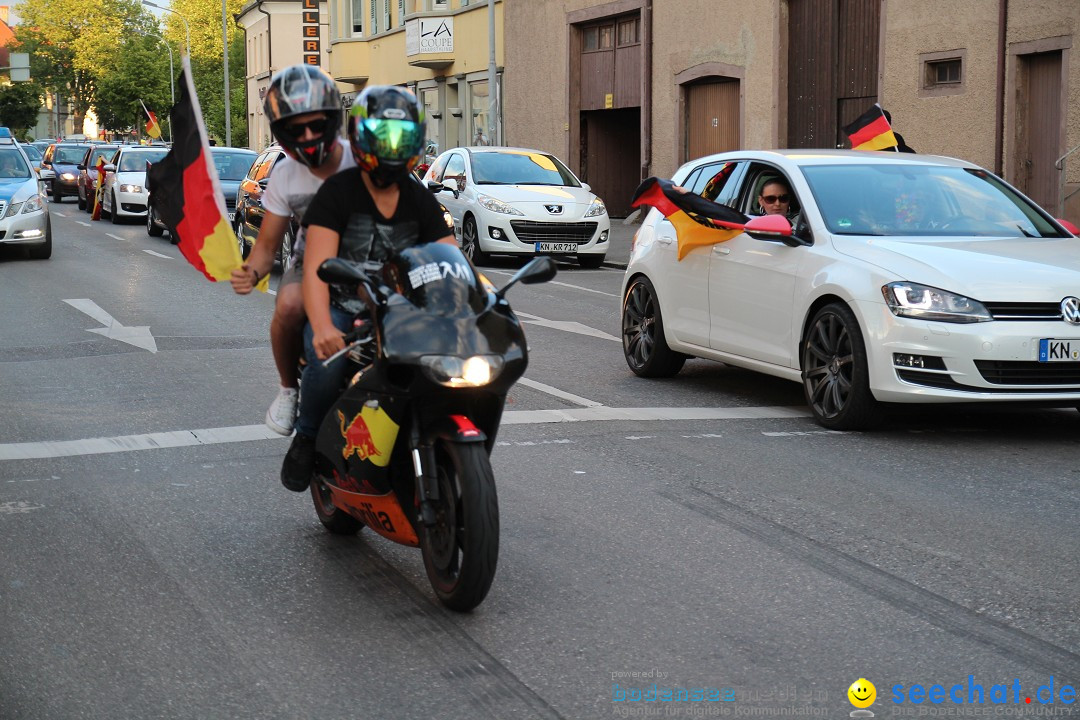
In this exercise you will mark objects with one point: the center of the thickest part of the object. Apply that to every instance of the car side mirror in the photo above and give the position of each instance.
(81, 167)
(46, 163)
(773, 227)
(435, 187)
(1069, 226)
(586, 187)
(451, 184)
(263, 183)
(108, 168)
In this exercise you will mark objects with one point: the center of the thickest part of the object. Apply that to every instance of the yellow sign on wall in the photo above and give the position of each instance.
(609, 101)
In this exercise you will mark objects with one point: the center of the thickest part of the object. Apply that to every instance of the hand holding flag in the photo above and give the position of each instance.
(186, 194)
(698, 222)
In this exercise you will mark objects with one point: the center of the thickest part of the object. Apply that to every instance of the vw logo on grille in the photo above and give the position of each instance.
(554, 209)
(1070, 310)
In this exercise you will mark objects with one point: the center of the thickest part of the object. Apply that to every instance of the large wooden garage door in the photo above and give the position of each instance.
(1039, 146)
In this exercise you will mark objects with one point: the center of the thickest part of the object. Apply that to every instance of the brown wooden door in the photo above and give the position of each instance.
(712, 117)
(1039, 146)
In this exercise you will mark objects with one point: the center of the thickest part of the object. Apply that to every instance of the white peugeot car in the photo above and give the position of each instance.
(125, 181)
(906, 279)
(514, 201)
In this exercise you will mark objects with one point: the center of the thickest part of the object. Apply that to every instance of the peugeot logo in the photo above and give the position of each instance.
(556, 209)
(1070, 310)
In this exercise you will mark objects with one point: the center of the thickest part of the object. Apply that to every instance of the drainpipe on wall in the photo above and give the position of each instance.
(999, 114)
(269, 37)
(646, 94)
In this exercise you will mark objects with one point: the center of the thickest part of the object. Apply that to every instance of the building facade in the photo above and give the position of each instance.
(279, 33)
(641, 86)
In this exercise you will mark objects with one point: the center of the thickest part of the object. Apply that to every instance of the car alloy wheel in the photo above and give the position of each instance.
(644, 347)
(151, 227)
(470, 243)
(834, 369)
(241, 241)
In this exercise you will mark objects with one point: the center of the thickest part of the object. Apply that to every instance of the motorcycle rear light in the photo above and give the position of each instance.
(453, 371)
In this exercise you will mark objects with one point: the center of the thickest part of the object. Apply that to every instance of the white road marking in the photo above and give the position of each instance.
(157, 254)
(556, 392)
(805, 432)
(56, 212)
(84, 224)
(139, 336)
(567, 326)
(246, 433)
(553, 282)
(115, 237)
(18, 506)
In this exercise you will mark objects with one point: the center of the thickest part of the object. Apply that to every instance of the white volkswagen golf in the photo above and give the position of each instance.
(515, 201)
(906, 279)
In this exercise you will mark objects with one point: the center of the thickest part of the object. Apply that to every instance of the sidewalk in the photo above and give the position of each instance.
(621, 236)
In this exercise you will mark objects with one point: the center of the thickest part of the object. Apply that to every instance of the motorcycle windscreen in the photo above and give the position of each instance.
(437, 279)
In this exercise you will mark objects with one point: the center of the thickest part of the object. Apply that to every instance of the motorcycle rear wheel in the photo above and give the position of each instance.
(333, 519)
(462, 548)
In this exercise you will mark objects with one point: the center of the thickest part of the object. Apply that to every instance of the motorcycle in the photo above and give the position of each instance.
(405, 449)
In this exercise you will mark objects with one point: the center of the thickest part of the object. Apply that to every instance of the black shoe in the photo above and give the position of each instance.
(299, 464)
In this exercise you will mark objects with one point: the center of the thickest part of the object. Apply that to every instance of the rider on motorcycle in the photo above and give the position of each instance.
(365, 213)
(303, 106)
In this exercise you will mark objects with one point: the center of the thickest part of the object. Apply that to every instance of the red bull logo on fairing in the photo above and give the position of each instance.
(369, 435)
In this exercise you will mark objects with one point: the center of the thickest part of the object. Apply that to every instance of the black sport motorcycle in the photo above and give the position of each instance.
(405, 449)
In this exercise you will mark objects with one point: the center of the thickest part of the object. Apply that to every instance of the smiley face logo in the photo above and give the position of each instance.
(862, 693)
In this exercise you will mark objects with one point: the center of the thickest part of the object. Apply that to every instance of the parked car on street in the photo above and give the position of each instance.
(24, 210)
(907, 279)
(232, 165)
(125, 181)
(515, 201)
(64, 163)
(34, 155)
(87, 181)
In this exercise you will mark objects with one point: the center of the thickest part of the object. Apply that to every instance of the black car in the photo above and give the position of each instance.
(64, 160)
(249, 209)
(232, 165)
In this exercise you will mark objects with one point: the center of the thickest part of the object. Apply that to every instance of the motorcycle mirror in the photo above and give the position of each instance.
(340, 272)
(537, 270)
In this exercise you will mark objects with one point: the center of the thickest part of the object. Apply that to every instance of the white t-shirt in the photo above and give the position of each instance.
(291, 187)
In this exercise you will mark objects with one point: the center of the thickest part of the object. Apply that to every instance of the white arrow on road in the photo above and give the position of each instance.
(140, 337)
(567, 326)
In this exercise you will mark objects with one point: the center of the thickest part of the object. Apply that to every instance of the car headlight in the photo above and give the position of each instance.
(131, 188)
(453, 371)
(498, 206)
(35, 203)
(929, 303)
(448, 219)
(68, 176)
(597, 208)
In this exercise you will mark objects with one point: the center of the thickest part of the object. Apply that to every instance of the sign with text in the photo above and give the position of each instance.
(309, 30)
(429, 35)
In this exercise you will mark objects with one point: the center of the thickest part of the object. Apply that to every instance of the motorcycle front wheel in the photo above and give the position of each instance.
(462, 548)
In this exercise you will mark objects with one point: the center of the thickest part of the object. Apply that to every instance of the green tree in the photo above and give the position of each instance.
(207, 63)
(72, 44)
(140, 72)
(19, 104)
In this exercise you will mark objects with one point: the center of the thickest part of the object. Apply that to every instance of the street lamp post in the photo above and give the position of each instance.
(172, 80)
(187, 28)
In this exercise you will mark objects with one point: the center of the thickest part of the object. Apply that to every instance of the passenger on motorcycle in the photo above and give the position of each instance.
(366, 213)
(303, 106)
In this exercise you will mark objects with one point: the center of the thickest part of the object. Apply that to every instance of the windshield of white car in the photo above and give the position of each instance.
(903, 200)
(12, 164)
(136, 161)
(518, 167)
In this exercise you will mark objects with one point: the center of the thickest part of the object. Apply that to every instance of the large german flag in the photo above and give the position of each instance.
(698, 221)
(186, 194)
(871, 131)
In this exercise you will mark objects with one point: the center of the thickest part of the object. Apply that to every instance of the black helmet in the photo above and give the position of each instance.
(299, 90)
(386, 132)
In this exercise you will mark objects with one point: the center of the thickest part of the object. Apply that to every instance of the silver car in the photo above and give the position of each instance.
(24, 213)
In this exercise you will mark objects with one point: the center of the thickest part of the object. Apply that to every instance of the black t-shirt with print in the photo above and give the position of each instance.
(344, 205)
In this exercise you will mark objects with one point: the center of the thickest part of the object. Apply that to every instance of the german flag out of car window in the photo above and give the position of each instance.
(697, 221)
(186, 194)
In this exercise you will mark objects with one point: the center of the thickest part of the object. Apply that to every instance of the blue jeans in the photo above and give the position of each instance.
(321, 386)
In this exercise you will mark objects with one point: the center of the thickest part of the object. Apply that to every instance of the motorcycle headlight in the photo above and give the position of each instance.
(597, 208)
(131, 188)
(497, 205)
(929, 303)
(453, 371)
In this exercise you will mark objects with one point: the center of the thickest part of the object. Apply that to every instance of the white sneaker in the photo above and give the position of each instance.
(282, 413)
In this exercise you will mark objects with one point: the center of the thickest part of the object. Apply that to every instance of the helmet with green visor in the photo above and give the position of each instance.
(387, 133)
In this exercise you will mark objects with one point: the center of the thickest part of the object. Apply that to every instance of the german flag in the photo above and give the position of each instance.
(871, 131)
(186, 194)
(698, 222)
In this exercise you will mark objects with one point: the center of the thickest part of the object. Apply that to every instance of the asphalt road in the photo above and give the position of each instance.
(697, 533)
